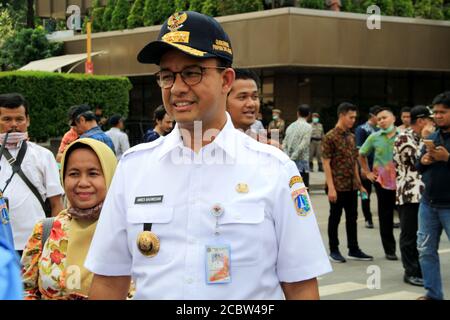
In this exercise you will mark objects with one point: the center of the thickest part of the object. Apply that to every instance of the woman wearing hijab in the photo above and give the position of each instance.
(54, 270)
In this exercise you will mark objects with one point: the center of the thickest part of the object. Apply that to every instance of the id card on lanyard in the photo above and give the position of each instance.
(217, 253)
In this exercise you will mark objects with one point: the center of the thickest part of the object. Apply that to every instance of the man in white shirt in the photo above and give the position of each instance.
(207, 212)
(118, 137)
(38, 165)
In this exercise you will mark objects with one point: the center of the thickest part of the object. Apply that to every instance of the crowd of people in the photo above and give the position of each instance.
(239, 224)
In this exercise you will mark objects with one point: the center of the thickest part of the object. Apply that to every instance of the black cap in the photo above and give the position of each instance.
(420, 112)
(193, 33)
(76, 111)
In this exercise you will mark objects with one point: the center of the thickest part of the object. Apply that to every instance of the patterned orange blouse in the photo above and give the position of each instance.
(44, 269)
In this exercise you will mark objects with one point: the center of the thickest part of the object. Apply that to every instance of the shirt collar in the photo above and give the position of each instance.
(225, 140)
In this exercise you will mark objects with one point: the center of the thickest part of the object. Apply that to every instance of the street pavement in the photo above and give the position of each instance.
(379, 279)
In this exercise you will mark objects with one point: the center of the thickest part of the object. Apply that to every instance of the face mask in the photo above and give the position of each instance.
(14, 139)
(275, 117)
(315, 120)
(388, 130)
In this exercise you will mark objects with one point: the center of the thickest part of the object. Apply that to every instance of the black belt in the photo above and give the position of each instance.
(316, 139)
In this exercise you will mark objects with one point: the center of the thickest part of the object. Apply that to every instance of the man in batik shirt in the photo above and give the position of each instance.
(410, 187)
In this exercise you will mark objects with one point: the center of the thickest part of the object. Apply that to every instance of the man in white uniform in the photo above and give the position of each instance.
(205, 213)
(38, 165)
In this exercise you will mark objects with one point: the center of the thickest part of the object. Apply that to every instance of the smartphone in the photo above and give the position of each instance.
(429, 143)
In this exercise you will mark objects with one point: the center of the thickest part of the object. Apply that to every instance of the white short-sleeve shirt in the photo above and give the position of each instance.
(272, 239)
(40, 167)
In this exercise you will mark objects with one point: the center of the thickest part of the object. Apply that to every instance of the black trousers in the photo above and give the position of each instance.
(347, 200)
(386, 204)
(305, 177)
(365, 204)
(408, 238)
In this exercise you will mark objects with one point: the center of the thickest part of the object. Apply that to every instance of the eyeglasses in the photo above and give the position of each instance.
(191, 76)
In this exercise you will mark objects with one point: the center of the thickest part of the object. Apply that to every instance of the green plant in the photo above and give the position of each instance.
(312, 4)
(165, 9)
(181, 5)
(151, 14)
(107, 15)
(97, 16)
(25, 46)
(136, 17)
(6, 26)
(226, 7)
(242, 6)
(347, 6)
(50, 95)
(429, 9)
(120, 15)
(210, 8)
(404, 8)
(196, 5)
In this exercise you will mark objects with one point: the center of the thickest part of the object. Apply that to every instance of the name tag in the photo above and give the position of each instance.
(218, 262)
(148, 199)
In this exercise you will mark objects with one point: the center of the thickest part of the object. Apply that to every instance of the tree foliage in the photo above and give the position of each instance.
(107, 15)
(181, 5)
(136, 17)
(210, 8)
(120, 15)
(404, 8)
(97, 16)
(429, 9)
(151, 14)
(25, 46)
(312, 4)
(165, 9)
(386, 6)
(51, 94)
(6, 26)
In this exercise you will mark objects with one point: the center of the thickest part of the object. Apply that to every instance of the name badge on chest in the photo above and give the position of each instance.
(218, 264)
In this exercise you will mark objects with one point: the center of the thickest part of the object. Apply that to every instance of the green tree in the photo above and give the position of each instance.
(242, 6)
(196, 5)
(386, 6)
(165, 9)
(312, 4)
(6, 26)
(136, 17)
(25, 46)
(347, 6)
(446, 12)
(120, 15)
(226, 7)
(107, 15)
(97, 16)
(210, 8)
(429, 9)
(181, 5)
(151, 14)
(404, 8)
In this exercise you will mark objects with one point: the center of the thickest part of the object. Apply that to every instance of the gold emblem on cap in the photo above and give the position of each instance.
(176, 20)
(242, 188)
(148, 243)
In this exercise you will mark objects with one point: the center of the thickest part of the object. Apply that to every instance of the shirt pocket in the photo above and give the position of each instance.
(241, 226)
(160, 218)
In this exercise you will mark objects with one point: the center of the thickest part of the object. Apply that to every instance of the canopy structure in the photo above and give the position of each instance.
(57, 63)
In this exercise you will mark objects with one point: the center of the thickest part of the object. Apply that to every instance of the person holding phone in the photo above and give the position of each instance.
(409, 190)
(434, 208)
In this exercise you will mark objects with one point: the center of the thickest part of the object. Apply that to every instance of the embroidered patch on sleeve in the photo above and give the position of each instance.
(301, 202)
(294, 180)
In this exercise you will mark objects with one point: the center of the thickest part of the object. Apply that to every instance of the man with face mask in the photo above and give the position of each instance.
(383, 175)
(38, 165)
(277, 125)
(316, 141)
